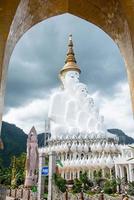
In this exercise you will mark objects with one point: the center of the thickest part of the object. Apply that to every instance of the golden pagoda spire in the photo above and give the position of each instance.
(70, 62)
(70, 53)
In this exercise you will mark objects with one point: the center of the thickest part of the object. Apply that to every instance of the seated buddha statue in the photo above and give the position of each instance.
(100, 127)
(69, 76)
(75, 105)
(93, 119)
(84, 113)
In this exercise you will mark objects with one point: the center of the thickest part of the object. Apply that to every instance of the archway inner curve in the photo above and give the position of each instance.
(36, 45)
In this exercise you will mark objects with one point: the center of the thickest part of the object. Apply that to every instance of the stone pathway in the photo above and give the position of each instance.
(9, 198)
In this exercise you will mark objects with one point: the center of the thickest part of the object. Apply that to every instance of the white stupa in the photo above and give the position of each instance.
(78, 133)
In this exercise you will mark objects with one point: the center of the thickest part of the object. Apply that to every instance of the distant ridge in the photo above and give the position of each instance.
(15, 139)
(123, 138)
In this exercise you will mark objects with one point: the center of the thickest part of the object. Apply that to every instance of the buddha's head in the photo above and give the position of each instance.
(81, 91)
(90, 101)
(71, 78)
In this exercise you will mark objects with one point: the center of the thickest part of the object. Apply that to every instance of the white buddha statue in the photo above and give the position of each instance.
(84, 113)
(100, 127)
(72, 111)
(93, 119)
(69, 76)
(75, 105)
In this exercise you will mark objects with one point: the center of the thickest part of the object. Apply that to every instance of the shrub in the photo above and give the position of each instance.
(60, 183)
(110, 186)
(131, 188)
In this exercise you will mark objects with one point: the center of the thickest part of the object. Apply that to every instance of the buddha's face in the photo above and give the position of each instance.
(91, 101)
(81, 90)
(71, 78)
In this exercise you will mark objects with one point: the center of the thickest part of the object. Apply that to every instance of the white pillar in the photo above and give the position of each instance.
(41, 179)
(89, 174)
(62, 157)
(110, 172)
(74, 174)
(117, 171)
(52, 169)
(128, 175)
(103, 173)
(78, 174)
(121, 171)
(62, 173)
(70, 174)
(131, 173)
(65, 175)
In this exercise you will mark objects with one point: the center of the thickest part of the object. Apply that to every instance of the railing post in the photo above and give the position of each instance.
(52, 170)
(41, 179)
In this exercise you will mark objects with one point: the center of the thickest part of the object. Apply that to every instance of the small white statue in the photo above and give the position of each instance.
(93, 120)
(84, 113)
(100, 127)
(75, 104)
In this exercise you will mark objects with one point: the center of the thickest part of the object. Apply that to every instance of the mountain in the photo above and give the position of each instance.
(15, 139)
(123, 138)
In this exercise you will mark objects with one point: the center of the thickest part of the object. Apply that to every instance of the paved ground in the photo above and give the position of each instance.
(9, 198)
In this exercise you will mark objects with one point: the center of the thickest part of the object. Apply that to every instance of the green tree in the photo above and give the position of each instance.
(17, 171)
(110, 186)
(20, 169)
(120, 181)
(83, 184)
(86, 182)
(77, 186)
(60, 183)
(131, 188)
(5, 176)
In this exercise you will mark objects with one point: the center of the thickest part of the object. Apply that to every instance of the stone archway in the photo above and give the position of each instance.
(113, 16)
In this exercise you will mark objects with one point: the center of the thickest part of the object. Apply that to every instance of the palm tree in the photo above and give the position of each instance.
(120, 181)
(61, 184)
(82, 185)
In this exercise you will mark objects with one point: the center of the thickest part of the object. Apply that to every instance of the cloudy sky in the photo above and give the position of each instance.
(40, 54)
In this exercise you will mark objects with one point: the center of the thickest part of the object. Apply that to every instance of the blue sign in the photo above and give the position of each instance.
(45, 171)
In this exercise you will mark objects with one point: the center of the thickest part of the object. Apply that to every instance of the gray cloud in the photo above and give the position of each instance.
(40, 54)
